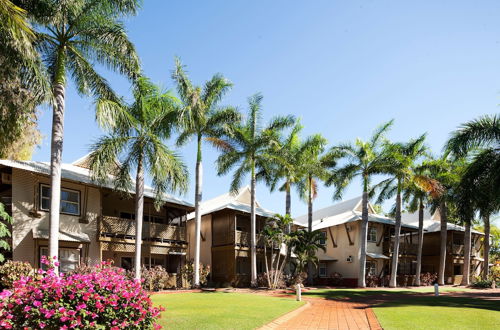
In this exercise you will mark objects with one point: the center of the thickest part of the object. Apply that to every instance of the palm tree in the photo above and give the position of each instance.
(402, 157)
(305, 244)
(416, 194)
(480, 140)
(311, 167)
(202, 117)
(364, 159)
(284, 156)
(72, 35)
(246, 149)
(136, 133)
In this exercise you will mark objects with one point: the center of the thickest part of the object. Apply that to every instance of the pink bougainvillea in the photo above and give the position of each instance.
(104, 299)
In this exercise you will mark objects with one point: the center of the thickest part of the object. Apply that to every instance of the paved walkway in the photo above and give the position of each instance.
(328, 314)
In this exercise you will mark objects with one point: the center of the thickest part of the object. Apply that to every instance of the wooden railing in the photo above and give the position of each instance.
(242, 238)
(404, 248)
(125, 228)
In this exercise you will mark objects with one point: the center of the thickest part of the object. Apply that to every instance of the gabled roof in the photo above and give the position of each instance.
(432, 222)
(344, 212)
(81, 174)
(238, 202)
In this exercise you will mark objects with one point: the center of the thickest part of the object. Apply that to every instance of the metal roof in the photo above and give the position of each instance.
(82, 175)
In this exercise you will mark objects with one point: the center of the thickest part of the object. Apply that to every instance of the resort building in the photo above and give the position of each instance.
(454, 247)
(341, 224)
(225, 237)
(96, 224)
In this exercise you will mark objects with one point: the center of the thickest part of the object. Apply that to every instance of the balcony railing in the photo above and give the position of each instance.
(125, 228)
(242, 238)
(404, 248)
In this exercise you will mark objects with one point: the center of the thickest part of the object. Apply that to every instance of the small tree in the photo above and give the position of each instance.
(305, 244)
(276, 237)
(4, 231)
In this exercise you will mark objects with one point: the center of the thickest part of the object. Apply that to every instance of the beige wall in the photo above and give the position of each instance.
(24, 186)
(206, 243)
(344, 249)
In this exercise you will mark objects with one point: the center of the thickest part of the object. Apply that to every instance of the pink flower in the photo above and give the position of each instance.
(37, 303)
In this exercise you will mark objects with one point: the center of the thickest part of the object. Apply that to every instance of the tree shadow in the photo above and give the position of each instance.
(443, 301)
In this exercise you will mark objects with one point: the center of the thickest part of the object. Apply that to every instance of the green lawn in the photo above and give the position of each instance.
(220, 310)
(421, 312)
(362, 293)
(439, 313)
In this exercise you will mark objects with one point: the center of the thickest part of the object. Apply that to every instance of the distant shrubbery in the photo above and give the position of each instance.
(103, 298)
(187, 272)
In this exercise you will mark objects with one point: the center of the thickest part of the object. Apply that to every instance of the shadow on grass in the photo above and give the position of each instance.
(442, 301)
(357, 295)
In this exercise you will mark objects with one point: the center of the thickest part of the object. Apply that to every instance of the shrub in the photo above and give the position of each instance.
(187, 272)
(336, 279)
(154, 279)
(428, 278)
(12, 271)
(481, 284)
(372, 281)
(262, 280)
(103, 299)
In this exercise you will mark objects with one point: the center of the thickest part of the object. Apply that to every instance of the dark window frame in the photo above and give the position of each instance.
(62, 188)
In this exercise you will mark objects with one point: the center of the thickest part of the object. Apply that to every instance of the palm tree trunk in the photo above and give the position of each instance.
(253, 222)
(442, 254)
(467, 248)
(486, 265)
(267, 266)
(288, 200)
(139, 211)
(362, 238)
(397, 231)
(56, 149)
(197, 211)
(420, 241)
(310, 268)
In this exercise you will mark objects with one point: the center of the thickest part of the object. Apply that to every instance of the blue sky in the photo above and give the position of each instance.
(343, 67)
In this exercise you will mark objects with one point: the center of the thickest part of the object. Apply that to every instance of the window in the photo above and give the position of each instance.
(322, 239)
(155, 261)
(372, 234)
(127, 263)
(145, 218)
(70, 200)
(322, 269)
(371, 268)
(69, 258)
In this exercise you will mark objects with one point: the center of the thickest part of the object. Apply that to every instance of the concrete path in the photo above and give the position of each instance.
(328, 314)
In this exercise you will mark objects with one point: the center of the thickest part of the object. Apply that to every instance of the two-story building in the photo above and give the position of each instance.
(454, 247)
(340, 225)
(225, 237)
(97, 223)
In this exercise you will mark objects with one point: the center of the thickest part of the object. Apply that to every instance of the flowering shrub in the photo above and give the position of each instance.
(12, 271)
(154, 279)
(103, 299)
(187, 272)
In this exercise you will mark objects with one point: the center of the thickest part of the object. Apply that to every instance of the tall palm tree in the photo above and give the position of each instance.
(479, 139)
(245, 149)
(202, 117)
(135, 141)
(283, 157)
(364, 159)
(402, 157)
(312, 168)
(416, 194)
(72, 35)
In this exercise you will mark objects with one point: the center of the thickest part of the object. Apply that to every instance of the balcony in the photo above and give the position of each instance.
(404, 248)
(114, 227)
(242, 238)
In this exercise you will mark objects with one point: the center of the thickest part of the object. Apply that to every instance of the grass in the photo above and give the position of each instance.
(364, 293)
(220, 310)
(398, 309)
(439, 313)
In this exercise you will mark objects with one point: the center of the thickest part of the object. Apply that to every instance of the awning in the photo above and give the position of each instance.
(63, 236)
(377, 255)
(478, 258)
(327, 258)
